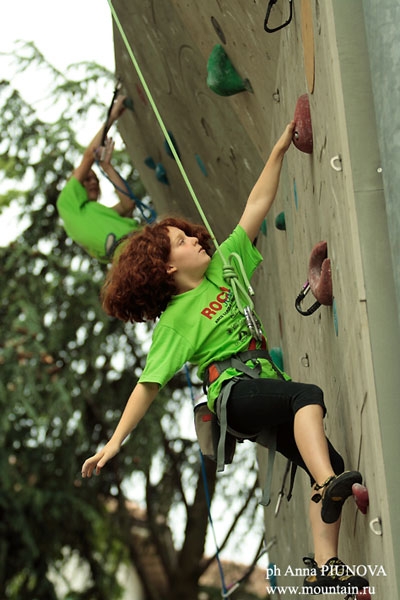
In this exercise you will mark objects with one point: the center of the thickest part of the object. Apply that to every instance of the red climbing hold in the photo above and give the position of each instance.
(302, 135)
(363, 594)
(361, 497)
(319, 274)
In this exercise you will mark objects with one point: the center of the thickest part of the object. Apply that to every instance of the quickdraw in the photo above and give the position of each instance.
(148, 213)
(117, 89)
(319, 280)
(304, 291)
(271, 3)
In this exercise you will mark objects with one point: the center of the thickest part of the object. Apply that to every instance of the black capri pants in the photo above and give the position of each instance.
(254, 403)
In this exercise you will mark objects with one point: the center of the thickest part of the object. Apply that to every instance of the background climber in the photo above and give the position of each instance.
(92, 225)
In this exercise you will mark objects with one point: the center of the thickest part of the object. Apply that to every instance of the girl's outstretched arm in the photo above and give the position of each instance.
(136, 407)
(264, 191)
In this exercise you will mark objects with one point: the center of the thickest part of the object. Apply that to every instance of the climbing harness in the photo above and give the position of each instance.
(241, 295)
(303, 293)
(147, 212)
(271, 3)
(290, 468)
(227, 436)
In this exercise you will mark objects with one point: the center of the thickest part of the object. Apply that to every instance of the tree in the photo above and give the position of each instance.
(66, 371)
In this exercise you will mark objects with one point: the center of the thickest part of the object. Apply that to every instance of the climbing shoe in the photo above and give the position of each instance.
(333, 575)
(335, 492)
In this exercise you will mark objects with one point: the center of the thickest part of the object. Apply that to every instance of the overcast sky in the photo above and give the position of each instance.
(65, 33)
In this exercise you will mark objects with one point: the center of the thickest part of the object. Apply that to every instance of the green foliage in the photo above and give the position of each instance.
(61, 391)
(66, 372)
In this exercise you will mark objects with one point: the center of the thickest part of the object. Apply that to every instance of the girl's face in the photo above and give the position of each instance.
(186, 257)
(91, 185)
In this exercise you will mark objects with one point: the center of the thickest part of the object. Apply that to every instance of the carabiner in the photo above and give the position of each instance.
(118, 86)
(304, 291)
(253, 323)
(269, 9)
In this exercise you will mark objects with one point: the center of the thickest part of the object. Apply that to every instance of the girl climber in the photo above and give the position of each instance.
(167, 272)
(92, 225)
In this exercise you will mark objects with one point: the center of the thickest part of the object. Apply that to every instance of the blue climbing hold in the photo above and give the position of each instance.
(271, 571)
(168, 147)
(335, 317)
(149, 162)
(201, 165)
(296, 198)
(161, 174)
(128, 103)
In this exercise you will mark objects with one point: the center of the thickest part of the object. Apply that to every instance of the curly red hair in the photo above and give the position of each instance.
(138, 287)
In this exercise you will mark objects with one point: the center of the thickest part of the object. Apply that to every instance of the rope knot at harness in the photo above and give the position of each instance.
(242, 292)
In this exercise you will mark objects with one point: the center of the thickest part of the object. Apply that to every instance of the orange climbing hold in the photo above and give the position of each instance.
(319, 274)
(302, 135)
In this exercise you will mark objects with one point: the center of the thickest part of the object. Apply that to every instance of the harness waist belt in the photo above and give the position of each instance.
(214, 370)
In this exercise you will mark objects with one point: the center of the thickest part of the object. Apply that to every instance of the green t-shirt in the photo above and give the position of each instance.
(204, 325)
(89, 223)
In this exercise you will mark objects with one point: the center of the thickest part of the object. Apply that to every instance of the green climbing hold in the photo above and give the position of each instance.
(280, 222)
(222, 78)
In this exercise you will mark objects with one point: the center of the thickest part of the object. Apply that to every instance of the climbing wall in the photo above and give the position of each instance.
(332, 192)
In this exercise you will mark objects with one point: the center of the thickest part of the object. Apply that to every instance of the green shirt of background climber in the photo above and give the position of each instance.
(92, 225)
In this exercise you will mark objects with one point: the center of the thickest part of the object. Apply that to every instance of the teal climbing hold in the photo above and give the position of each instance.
(296, 198)
(263, 227)
(335, 317)
(277, 356)
(149, 162)
(202, 166)
(161, 174)
(272, 572)
(128, 103)
(168, 148)
(222, 78)
(280, 222)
